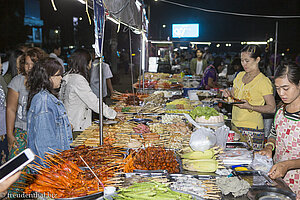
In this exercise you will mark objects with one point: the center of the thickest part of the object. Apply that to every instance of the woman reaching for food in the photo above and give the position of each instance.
(285, 133)
(256, 91)
(77, 95)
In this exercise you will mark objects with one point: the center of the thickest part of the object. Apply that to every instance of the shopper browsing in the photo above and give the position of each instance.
(77, 94)
(16, 123)
(48, 124)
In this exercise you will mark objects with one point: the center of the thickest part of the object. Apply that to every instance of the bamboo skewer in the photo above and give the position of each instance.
(92, 172)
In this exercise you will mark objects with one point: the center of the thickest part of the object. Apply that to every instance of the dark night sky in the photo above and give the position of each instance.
(220, 27)
(213, 27)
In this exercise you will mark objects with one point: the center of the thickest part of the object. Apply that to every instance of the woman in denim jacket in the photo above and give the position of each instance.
(47, 120)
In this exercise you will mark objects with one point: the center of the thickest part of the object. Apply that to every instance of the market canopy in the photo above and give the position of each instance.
(126, 11)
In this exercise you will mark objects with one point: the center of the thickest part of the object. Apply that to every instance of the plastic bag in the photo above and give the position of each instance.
(262, 163)
(222, 136)
(202, 139)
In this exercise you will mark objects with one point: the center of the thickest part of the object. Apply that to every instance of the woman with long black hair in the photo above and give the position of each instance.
(77, 94)
(284, 137)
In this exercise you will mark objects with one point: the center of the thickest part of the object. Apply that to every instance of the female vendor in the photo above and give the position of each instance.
(285, 133)
(256, 91)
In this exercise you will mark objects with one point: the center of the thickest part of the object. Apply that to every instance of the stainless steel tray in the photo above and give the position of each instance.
(159, 170)
(111, 197)
(236, 145)
(267, 192)
(200, 177)
(88, 197)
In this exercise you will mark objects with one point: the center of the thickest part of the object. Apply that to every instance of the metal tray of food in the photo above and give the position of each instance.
(147, 173)
(200, 177)
(236, 145)
(113, 196)
(178, 159)
(87, 197)
(268, 192)
(141, 120)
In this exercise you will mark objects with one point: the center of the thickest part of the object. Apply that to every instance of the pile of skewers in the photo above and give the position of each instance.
(152, 158)
(96, 157)
(206, 189)
(66, 179)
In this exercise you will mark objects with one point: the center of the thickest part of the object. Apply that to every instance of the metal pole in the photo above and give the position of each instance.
(141, 61)
(276, 43)
(131, 65)
(101, 89)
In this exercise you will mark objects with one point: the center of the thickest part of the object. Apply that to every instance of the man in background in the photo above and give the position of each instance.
(107, 75)
(198, 64)
(55, 53)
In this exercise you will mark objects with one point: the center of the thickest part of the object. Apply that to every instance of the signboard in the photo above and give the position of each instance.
(185, 30)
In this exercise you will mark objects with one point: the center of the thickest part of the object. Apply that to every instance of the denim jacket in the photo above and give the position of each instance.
(48, 125)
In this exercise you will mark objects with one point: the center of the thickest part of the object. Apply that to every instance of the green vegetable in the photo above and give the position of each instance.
(207, 112)
(149, 191)
(125, 109)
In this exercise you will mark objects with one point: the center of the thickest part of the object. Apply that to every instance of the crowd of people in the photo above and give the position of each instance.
(43, 105)
(43, 108)
(256, 87)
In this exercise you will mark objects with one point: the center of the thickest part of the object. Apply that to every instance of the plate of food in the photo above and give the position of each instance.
(231, 100)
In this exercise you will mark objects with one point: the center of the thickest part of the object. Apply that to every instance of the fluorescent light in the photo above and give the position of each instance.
(81, 1)
(256, 42)
(164, 26)
(218, 45)
(113, 20)
(161, 42)
(208, 43)
(271, 39)
(183, 47)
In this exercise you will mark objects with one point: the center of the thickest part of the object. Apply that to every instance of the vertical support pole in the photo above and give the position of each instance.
(276, 44)
(101, 89)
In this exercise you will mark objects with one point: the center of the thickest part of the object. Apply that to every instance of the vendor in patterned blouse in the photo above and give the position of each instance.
(256, 91)
(285, 133)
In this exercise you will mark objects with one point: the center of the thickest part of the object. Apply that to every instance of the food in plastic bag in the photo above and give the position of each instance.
(262, 163)
(222, 136)
(202, 139)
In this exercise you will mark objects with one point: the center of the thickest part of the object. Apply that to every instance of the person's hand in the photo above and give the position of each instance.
(226, 93)
(245, 105)
(266, 152)
(11, 140)
(278, 170)
(9, 181)
(120, 116)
